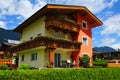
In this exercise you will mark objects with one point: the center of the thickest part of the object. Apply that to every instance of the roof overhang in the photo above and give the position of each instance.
(60, 9)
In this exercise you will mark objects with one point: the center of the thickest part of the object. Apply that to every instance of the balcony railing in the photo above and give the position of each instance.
(48, 42)
(62, 24)
(5, 61)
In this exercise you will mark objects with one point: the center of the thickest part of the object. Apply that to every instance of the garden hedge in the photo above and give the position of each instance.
(99, 62)
(4, 67)
(62, 74)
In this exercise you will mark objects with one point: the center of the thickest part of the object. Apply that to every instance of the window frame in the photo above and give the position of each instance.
(34, 57)
(86, 40)
(22, 58)
(85, 24)
(31, 38)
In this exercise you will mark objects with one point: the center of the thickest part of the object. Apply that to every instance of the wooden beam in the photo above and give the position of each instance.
(51, 57)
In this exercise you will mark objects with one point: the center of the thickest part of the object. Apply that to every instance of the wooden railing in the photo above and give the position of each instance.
(5, 61)
(62, 24)
(48, 42)
(113, 63)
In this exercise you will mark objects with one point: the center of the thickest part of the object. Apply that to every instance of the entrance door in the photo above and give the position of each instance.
(57, 59)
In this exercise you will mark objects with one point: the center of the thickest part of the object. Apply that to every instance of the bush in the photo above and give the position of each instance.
(24, 66)
(99, 62)
(4, 67)
(85, 60)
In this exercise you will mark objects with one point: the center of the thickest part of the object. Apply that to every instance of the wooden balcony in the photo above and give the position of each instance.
(63, 24)
(48, 42)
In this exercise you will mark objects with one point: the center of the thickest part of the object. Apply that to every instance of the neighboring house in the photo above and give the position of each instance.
(113, 58)
(107, 55)
(5, 50)
(8, 39)
(56, 34)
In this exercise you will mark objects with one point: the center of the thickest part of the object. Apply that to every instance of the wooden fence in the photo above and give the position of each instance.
(113, 63)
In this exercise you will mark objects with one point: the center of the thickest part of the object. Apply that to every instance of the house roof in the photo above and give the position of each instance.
(105, 52)
(9, 44)
(60, 9)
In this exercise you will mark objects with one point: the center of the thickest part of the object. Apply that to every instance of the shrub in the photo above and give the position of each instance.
(85, 60)
(24, 66)
(99, 62)
(4, 67)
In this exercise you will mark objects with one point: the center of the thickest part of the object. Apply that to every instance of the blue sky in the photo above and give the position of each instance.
(14, 12)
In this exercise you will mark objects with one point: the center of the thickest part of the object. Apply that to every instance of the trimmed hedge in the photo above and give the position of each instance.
(4, 67)
(62, 74)
(99, 62)
(24, 67)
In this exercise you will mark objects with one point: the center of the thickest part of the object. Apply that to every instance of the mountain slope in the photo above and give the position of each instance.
(8, 34)
(104, 49)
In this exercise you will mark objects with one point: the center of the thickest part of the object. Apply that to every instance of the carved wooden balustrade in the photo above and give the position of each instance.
(5, 61)
(48, 42)
(63, 24)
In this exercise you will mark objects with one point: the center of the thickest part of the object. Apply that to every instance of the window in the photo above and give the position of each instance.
(39, 34)
(58, 35)
(22, 58)
(57, 59)
(33, 56)
(84, 25)
(66, 36)
(85, 41)
(31, 38)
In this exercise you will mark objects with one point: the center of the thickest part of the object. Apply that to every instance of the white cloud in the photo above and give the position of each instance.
(5, 3)
(111, 42)
(40, 4)
(94, 5)
(23, 8)
(112, 25)
(105, 15)
(107, 41)
(116, 46)
(110, 4)
(108, 13)
(2, 25)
